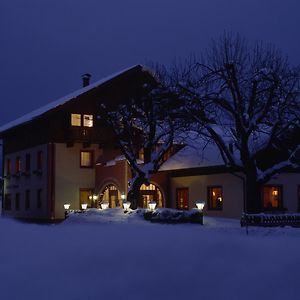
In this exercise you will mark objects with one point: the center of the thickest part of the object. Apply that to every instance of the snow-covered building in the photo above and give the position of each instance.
(63, 153)
(49, 154)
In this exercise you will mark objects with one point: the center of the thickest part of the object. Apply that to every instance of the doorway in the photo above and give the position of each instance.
(182, 198)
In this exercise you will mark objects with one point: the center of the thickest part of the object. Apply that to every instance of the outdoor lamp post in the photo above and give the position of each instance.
(126, 205)
(200, 204)
(104, 204)
(84, 206)
(152, 205)
(67, 206)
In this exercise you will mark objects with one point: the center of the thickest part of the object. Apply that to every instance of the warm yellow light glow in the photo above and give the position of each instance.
(275, 193)
(152, 205)
(67, 206)
(126, 205)
(214, 193)
(95, 197)
(84, 206)
(123, 197)
(104, 204)
(200, 205)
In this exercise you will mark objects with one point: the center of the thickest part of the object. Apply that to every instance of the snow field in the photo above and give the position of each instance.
(112, 255)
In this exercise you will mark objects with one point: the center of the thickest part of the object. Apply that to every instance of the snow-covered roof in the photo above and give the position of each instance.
(197, 153)
(193, 157)
(36, 113)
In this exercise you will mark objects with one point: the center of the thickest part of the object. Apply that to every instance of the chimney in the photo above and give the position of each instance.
(86, 79)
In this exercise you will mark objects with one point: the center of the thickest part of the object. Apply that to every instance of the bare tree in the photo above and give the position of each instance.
(143, 125)
(245, 99)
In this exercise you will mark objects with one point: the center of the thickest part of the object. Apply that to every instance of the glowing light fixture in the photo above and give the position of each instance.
(95, 197)
(84, 206)
(200, 204)
(126, 205)
(67, 206)
(152, 205)
(104, 204)
(123, 196)
(275, 193)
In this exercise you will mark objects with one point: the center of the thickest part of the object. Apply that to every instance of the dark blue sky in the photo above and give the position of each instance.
(47, 44)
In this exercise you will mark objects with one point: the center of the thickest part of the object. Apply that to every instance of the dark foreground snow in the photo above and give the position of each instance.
(110, 255)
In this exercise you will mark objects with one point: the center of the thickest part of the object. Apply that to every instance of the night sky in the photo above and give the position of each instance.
(46, 45)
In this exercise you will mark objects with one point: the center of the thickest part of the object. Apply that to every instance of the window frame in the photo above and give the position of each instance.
(27, 199)
(84, 120)
(91, 166)
(209, 197)
(17, 201)
(280, 188)
(39, 202)
(39, 160)
(18, 164)
(8, 166)
(80, 119)
(27, 162)
(298, 197)
(7, 202)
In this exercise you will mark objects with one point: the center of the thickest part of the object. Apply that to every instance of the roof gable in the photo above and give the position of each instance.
(61, 101)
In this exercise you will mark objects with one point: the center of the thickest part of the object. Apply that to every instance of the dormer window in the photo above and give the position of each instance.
(76, 119)
(82, 120)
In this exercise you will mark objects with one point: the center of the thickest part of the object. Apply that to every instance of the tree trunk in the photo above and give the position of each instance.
(253, 195)
(134, 191)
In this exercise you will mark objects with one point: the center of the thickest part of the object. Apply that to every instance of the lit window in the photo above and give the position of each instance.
(215, 198)
(88, 120)
(86, 159)
(76, 119)
(272, 197)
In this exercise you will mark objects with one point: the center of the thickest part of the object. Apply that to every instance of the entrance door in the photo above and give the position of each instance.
(182, 198)
(85, 197)
(146, 197)
(113, 199)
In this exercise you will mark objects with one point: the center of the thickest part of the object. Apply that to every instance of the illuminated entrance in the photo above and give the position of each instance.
(112, 195)
(150, 193)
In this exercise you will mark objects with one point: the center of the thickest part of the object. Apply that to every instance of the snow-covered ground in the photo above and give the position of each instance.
(112, 255)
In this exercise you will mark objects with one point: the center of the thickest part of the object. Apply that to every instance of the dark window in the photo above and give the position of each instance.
(17, 204)
(27, 162)
(18, 164)
(298, 197)
(182, 198)
(8, 167)
(86, 159)
(272, 197)
(39, 160)
(39, 199)
(27, 199)
(215, 197)
(7, 202)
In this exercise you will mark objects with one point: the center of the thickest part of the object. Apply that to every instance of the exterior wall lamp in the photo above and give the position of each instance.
(152, 205)
(104, 205)
(84, 206)
(200, 205)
